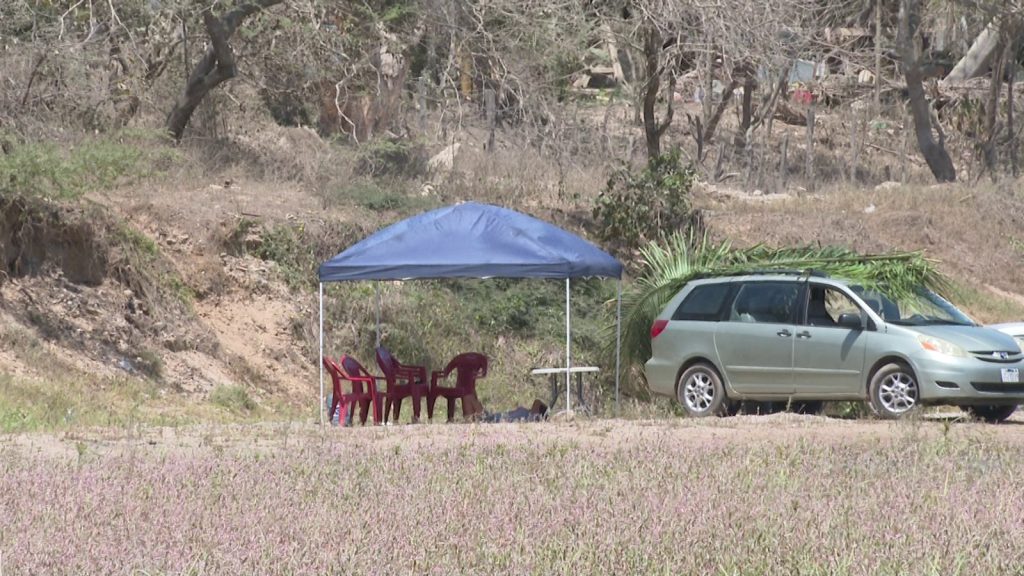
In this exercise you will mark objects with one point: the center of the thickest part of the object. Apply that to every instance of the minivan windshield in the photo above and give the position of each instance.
(922, 308)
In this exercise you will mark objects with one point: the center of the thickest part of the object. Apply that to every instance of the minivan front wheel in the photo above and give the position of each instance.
(893, 392)
(701, 392)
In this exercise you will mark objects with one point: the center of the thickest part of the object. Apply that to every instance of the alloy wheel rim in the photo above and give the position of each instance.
(898, 393)
(698, 392)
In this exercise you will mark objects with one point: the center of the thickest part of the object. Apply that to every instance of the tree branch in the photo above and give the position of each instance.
(218, 65)
(671, 111)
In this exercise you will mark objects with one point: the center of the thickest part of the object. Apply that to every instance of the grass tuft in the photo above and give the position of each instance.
(234, 399)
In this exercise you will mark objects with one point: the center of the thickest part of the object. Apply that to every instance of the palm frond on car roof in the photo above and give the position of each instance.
(667, 268)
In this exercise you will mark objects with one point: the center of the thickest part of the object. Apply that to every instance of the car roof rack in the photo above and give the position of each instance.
(767, 271)
(791, 272)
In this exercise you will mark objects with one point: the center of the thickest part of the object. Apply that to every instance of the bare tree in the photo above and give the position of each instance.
(87, 65)
(933, 149)
(216, 66)
(654, 67)
(743, 42)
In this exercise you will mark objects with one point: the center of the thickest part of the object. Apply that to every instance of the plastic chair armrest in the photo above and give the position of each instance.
(412, 373)
(435, 376)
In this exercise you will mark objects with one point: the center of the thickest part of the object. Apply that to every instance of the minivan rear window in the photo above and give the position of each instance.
(704, 303)
(767, 302)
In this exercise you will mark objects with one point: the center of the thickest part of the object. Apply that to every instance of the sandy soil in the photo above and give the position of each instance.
(588, 434)
(256, 328)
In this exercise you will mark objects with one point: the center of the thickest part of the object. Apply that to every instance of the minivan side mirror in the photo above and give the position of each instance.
(851, 321)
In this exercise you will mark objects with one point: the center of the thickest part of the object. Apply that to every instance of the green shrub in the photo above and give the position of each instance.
(235, 399)
(385, 197)
(295, 249)
(640, 207)
(44, 169)
(138, 244)
(509, 306)
(287, 246)
(150, 364)
(392, 157)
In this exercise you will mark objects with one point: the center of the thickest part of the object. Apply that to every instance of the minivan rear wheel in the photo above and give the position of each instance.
(991, 414)
(893, 392)
(701, 392)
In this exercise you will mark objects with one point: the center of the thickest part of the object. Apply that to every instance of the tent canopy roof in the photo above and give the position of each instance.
(470, 240)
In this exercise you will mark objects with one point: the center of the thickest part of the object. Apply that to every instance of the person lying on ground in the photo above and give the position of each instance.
(473, 411)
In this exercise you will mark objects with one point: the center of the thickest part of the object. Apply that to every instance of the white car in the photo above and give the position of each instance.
(1015, 329)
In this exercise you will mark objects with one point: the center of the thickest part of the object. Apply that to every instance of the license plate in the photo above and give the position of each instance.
(1011, 375)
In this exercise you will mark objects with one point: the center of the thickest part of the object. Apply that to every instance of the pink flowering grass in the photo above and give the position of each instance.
(739, 496)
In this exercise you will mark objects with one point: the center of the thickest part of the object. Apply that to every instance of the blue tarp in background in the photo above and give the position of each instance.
(470, 240)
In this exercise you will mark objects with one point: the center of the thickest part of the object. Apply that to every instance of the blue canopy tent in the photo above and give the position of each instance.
(472, 240)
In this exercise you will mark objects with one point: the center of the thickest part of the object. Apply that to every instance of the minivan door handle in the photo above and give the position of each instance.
(784, 333)
(804, 334)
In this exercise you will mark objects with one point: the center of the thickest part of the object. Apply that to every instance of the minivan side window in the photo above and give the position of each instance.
(825, 304)
(765, 302)
(704, 303)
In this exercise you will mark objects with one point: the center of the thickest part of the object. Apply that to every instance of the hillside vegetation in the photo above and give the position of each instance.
(171, 174)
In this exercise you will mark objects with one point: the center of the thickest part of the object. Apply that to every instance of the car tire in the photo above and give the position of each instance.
(701, 393)
(894, 392)
(991, 414)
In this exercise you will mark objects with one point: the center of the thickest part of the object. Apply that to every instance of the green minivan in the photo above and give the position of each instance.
(803, 339)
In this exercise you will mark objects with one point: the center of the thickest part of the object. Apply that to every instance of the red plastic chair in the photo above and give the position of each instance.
(415, 386)
(366, 383)
(364, 390)
(470, 366)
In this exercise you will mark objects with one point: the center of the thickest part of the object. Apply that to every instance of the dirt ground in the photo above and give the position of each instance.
(783, 428)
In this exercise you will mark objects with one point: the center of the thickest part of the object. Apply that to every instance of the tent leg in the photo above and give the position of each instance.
(321, 363)
(568, 349)
(618, 343)
(376, 287)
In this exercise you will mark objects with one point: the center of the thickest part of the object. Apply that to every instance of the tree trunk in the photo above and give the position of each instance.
(613, 54)
(783, 164)
(746, 113)
(490, 105)
(716, 116)
(934, 151)
(976, 61)
(992, 127)
(653, 130)
(809, 169)
(854, 148)
(877, 41)
(217, 65)
(1010, 129)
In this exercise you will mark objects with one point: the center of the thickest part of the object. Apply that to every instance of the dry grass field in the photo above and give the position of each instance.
(781, 494)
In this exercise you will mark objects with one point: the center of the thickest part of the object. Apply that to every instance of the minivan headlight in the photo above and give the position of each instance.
(939, 345)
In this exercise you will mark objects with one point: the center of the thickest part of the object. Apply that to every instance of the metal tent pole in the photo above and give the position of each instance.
(376, 287)
(618, 343)
(321, 354)
(568, 353)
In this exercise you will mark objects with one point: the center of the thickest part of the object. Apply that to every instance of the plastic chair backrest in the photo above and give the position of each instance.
(387, 363)
(470, 366)
(351, 367)
(333, 369)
